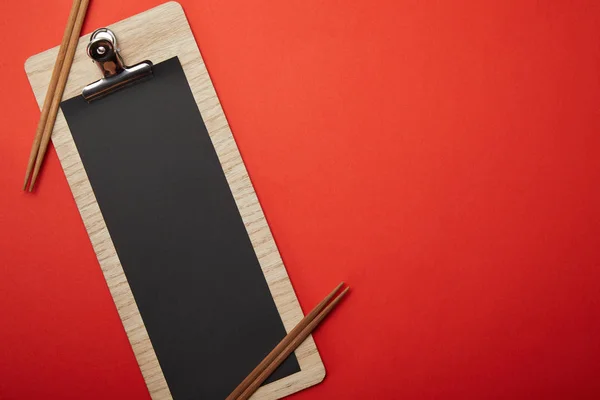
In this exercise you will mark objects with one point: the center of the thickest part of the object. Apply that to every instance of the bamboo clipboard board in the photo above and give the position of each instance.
(160, 34)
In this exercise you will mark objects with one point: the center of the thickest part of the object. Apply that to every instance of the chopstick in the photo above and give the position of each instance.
(56, 88)
(289, 343)
(51, 87)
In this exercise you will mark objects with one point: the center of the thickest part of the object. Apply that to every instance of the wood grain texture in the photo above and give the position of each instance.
(157, 35)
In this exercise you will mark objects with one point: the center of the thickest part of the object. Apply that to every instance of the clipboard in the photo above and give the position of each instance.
(171, 246)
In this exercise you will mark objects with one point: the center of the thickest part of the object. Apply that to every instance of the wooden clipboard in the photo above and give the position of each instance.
(160, 34)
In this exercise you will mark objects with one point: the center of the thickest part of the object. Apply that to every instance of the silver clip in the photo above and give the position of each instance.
(103, 50)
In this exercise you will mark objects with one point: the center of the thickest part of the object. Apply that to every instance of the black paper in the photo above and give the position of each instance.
(178, 234)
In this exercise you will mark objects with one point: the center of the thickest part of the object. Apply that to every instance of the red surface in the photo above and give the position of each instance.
(441, 157)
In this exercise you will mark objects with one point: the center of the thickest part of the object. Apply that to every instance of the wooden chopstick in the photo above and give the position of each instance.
(55, 92)
(281, 346)
(51, 87)
(294, 342)
(291, 341)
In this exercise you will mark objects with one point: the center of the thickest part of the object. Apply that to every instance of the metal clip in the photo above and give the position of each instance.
(103, 50)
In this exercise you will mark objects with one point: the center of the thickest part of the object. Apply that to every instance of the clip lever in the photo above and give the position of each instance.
(103, 50)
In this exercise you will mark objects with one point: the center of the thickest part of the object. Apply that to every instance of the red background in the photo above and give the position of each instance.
(441, 157)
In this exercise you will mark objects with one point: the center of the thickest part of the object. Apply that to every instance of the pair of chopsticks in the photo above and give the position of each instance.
(56, 88)
(287, 346)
